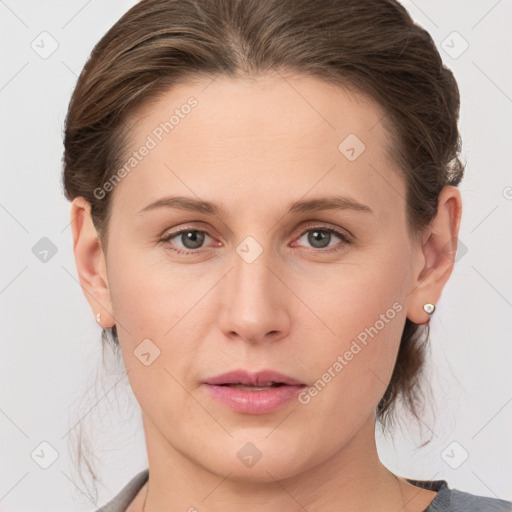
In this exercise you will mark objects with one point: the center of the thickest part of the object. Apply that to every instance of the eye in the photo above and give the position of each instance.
(320, 237)
(190, 240)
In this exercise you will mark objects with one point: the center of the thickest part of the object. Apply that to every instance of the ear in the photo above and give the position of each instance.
(90, 261)
(435, 255)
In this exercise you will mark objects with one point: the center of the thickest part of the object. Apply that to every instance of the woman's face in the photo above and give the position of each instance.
(264, 169)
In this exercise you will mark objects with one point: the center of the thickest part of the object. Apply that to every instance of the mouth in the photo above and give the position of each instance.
(253, 393)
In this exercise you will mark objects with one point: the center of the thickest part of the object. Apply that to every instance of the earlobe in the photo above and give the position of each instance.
(437, 256)
(90, 261)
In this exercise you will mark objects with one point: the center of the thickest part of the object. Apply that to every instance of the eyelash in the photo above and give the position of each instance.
(344, 238)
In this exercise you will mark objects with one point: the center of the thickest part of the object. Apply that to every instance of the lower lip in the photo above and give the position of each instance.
(254, 402)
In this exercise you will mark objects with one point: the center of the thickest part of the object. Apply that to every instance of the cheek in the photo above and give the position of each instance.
(362, 308)
(350, 372)
(154, 305)
(150, 294)
(350, 298)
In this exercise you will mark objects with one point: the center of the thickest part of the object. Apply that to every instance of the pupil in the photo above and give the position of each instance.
(319, 236)
(192, 239)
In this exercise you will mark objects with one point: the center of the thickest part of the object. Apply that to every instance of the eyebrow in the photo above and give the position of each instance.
(303, 206)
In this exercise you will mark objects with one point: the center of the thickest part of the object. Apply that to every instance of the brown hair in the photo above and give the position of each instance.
(372, 47)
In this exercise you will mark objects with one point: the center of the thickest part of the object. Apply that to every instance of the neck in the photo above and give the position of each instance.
(352, 479)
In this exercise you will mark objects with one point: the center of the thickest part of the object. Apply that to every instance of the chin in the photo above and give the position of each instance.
(254, 459)
(262, 472)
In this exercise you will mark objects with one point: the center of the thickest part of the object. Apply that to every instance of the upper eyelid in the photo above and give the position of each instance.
(304, 229)
(328, 227)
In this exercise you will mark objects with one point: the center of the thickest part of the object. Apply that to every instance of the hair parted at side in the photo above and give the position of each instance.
(372, 47)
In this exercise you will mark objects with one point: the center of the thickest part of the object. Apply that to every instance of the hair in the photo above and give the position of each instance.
(373, 48)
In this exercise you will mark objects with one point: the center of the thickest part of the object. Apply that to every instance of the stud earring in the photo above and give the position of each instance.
(98, 316)
(429, 308)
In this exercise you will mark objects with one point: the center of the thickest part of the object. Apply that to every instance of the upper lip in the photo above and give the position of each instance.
(247, 378)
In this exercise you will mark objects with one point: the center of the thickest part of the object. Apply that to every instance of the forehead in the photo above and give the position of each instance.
(254, 133)
(262, 107)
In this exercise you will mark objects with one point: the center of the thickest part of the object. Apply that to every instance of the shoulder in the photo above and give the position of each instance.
(464, 501)
(121, 501)
(453, 500)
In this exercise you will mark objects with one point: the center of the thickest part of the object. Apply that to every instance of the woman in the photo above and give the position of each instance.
(265, 213)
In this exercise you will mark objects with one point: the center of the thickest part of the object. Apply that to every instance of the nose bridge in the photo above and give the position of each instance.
(253, 307)
(252, 280)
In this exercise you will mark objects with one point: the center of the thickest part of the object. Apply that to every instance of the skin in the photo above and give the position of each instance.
(253, 147)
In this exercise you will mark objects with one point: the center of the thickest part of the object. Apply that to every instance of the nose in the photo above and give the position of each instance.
(255, 304)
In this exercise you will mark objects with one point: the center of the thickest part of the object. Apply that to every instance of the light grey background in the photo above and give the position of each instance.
(50, 341)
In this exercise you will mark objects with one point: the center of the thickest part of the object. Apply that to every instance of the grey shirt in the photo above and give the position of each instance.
(446, 499)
